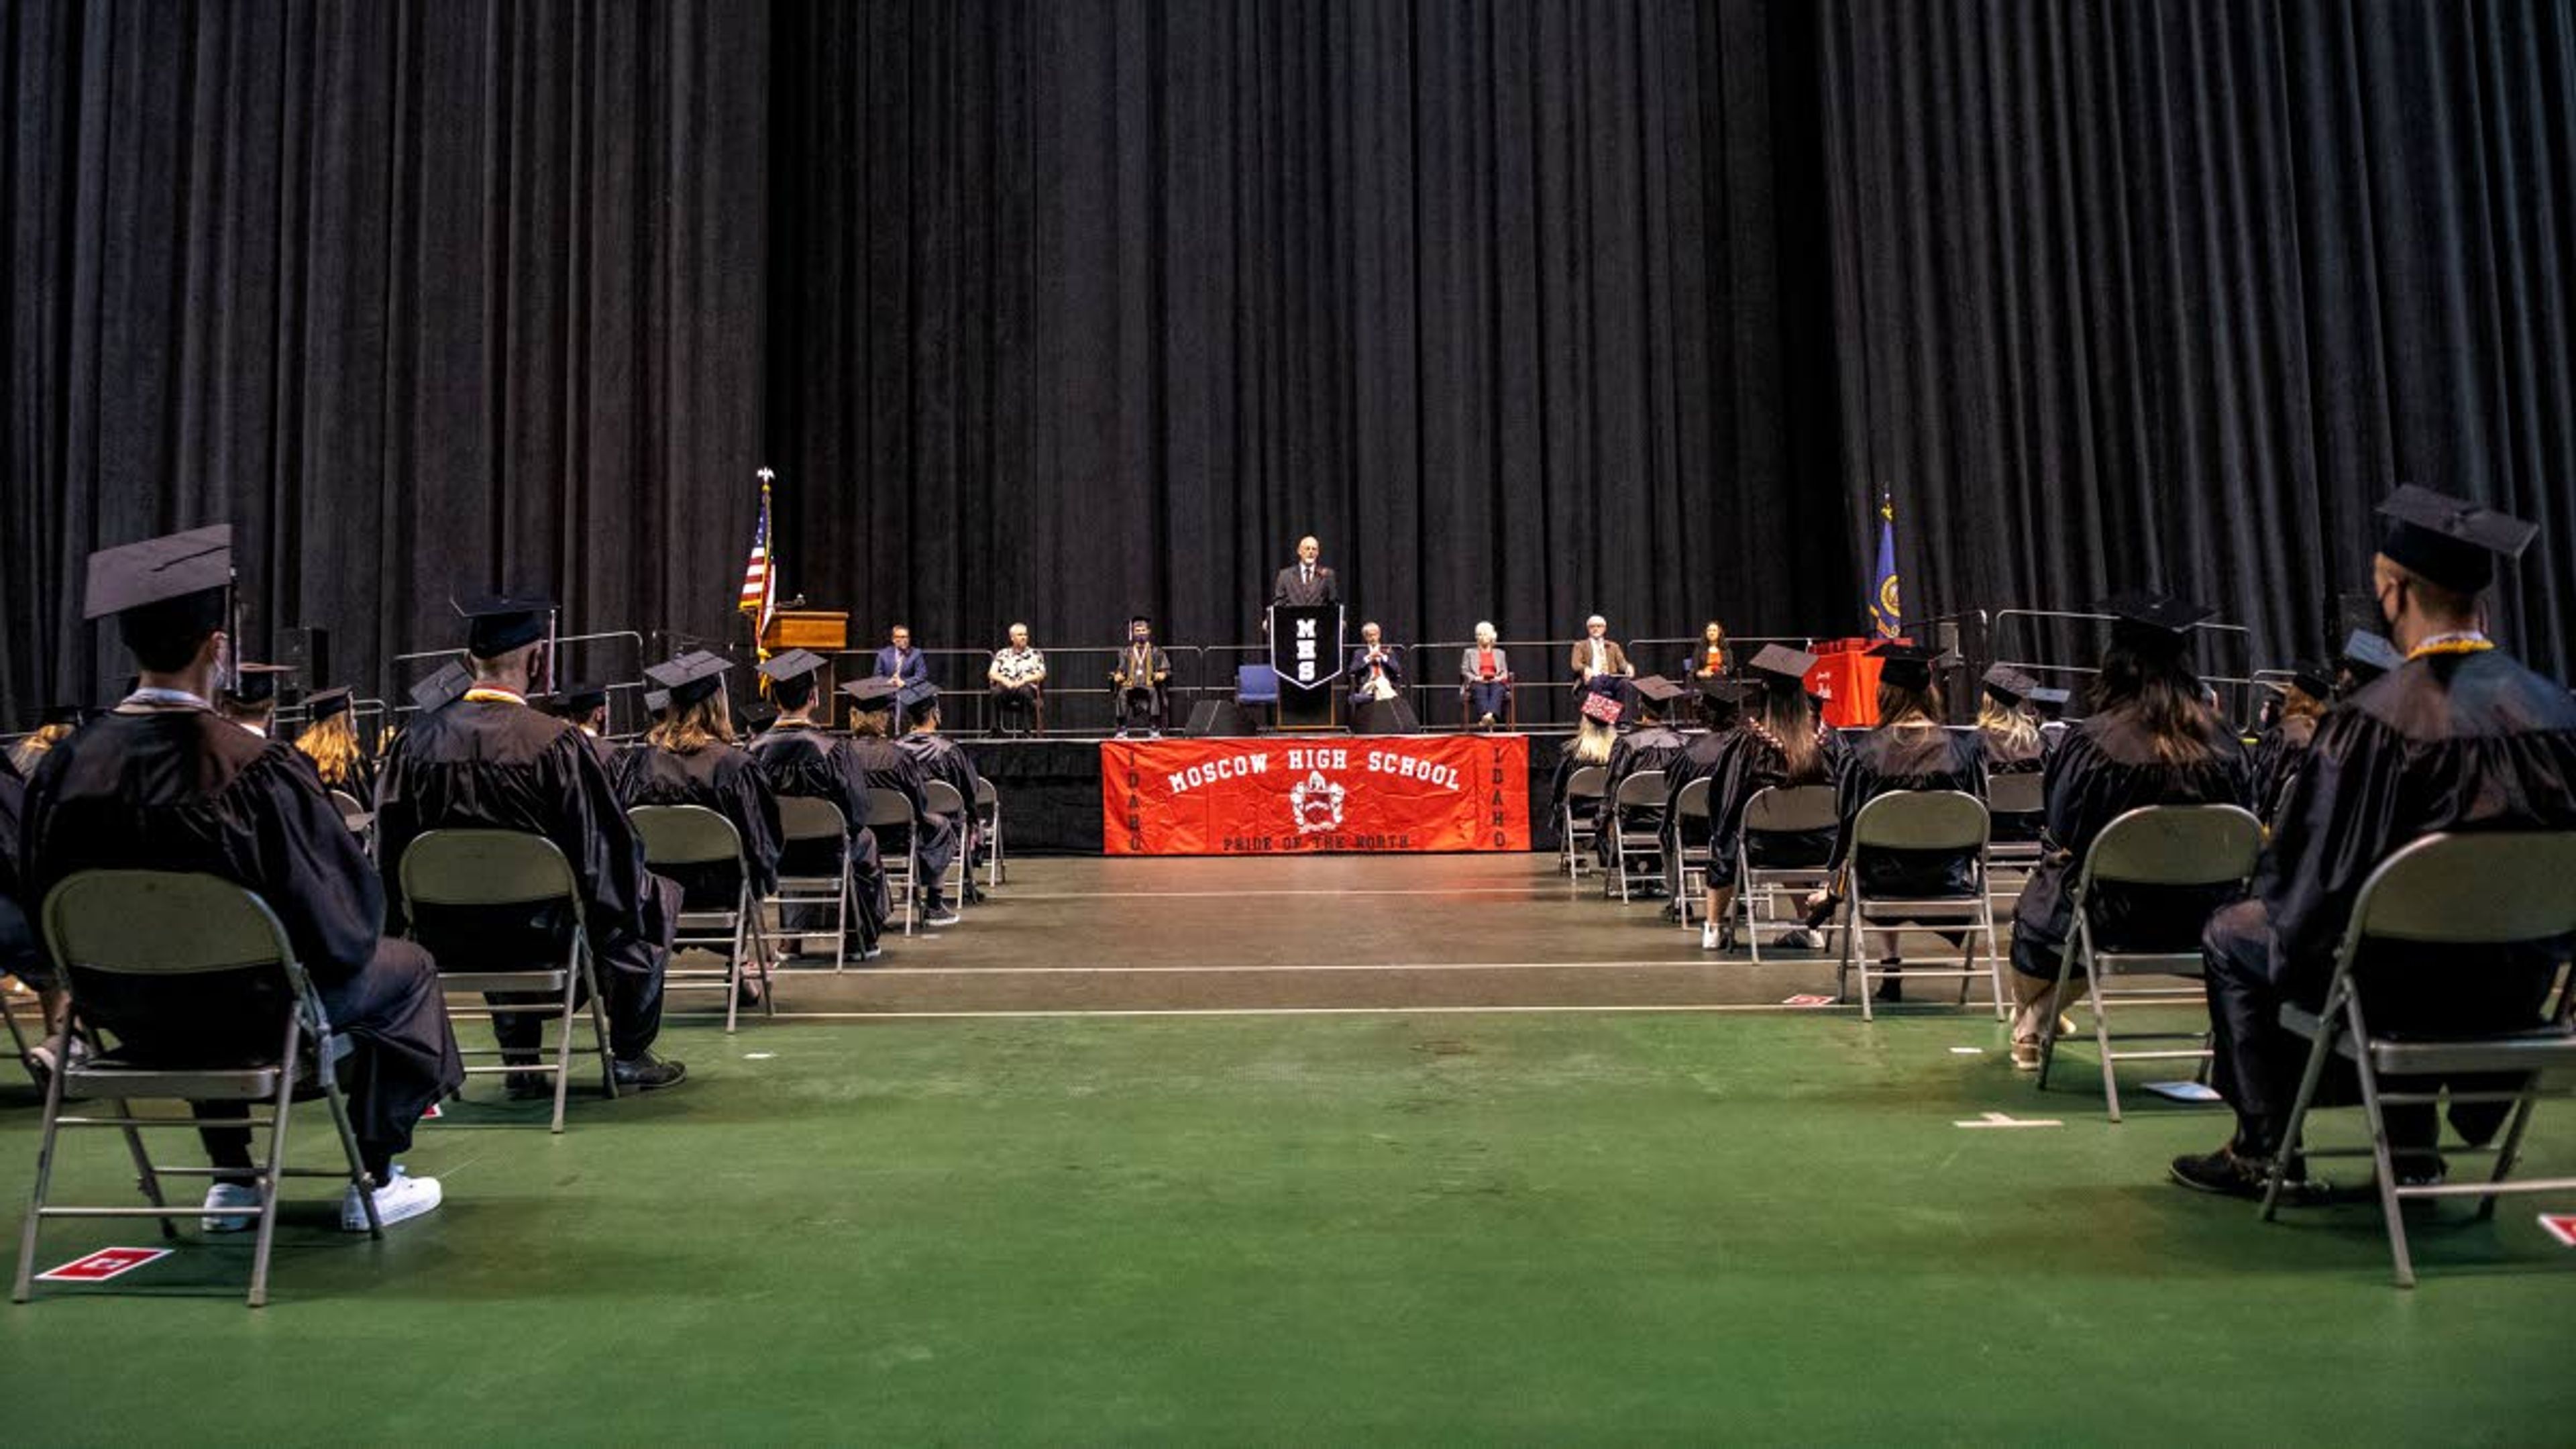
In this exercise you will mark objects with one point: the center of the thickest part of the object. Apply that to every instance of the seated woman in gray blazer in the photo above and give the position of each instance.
(1485, 678)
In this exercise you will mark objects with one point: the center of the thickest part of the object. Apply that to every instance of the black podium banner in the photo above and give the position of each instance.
(1306, 654)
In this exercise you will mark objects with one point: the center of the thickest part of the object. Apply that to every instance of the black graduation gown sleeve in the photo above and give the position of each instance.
(753, 808)
(18, 954)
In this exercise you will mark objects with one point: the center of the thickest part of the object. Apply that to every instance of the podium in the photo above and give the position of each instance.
(1846, 677)
(825, 631)
(1306, 654)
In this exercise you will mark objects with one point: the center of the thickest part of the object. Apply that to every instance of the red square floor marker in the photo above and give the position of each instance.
(432, 1114)
(102, 1265)
(1804, 1000)
(2561, 1226)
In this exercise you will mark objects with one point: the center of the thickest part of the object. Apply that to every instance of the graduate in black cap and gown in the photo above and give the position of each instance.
(2277, 755)
(1721, 710)
(586, 706)
(2013, 744)
(476, 755)
(163, 783)
(1782, 742)
(19, 954)
(1140, 680)
(805, 761)
(2458, 737)
(872, 706)
(330, 740)
(1909, 749)
(2148, 740)
(1649, 744)
(937, 757)
(690, 757)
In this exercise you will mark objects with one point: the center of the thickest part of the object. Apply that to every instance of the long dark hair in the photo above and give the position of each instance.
(1898, 704)
(2159, 692)
(1788, 718)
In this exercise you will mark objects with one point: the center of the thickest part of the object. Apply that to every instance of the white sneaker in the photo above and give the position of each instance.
(404, 1197)
(222, 1195)
(944, 916)
(871, 953)
(1708, 936)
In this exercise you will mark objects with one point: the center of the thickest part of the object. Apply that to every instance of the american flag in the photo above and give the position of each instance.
(759, 582)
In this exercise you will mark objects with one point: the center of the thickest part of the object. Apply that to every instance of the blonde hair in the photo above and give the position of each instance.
(689, 728)
(2020, 732)
(1485, 630)
(1593, 741)
(332, 746)
(31, 749)
(2297, 703)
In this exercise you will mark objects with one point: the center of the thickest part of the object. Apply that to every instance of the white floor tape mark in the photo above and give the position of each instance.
(1999, 1119)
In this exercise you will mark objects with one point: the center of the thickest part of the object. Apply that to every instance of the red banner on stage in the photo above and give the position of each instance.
(1286, 795)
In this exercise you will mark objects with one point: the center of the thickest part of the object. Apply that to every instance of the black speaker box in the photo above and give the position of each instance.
(1384, 717)
(1220, 719)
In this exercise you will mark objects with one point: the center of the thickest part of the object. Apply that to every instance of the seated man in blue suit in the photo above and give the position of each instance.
(900, 662)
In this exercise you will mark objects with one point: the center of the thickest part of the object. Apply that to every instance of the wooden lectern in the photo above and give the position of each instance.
(824, 631)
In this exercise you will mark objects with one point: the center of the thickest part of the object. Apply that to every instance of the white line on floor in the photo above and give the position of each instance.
(1497, 890)
(794, 973)
(1290, 1011)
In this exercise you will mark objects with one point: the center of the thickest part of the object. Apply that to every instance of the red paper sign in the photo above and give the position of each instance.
(102, 1265)
(2561, 1226)
(1290, 795)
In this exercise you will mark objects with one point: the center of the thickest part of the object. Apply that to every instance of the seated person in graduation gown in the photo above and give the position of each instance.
(1140, 678)
(1485, 678)
(2013, 743)
(805, 761)
(1781, 742)
(1016, 675)
(2148, 741)
(2459, 737)
(1909, 749)
(20, 956)
(331, 742)
(690, 758)
(2048, 705)
(937, 757)
(163, 783)
(872, 706)
(899, 661)
(251, 699)
(479, 757)
(2283, 747)
(1650, 744)
(1721, 712)
(1599, 707)
(585, 707)
(1376, 669)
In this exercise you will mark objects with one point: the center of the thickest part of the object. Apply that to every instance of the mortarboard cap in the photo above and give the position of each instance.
(2153, 623)
(691, 677)
(2314, 680)
(257, 683)
(1659, 689)
(1907, 666)
(2450, 541)
(329, 702)
(872, 694)
(159, 571)
(2049, 697)
(919, 699)
(576, 699)
(442, 689)
(499, 623)
(2009, 684)
(753, 716)
(1728, 691)
(60, 714)
(794, 664)
(657, 701)
(1783, 662)
(2368, 656)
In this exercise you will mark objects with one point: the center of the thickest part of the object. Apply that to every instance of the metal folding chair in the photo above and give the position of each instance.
(2156, 846)
(938, 797)
(2009, 862)
(693, 835)
(1640, 795)
(988, 816)
(1780, 810)
(2503, 888)
(469, 869)
(1689, 872)
(1576, 830)
(1921, 820)
(161, 924)
(888, 809)
(808, 820)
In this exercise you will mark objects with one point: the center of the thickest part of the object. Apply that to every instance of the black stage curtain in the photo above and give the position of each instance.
(424, 298)
(2176, 292)
(1057, 310)
(1098, 306)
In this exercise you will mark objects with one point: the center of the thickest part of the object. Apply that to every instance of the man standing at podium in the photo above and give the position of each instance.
(1306, 581)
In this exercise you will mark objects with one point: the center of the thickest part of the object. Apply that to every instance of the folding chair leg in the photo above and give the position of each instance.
(1994, 954)
(1852, 957)
(2102, 1048)
(2295, 1133)
(273, 1178)
(44, 1183)
(733, 961)
(359, 1178)
(563, 1044)
(841, 913)
(599, 1038)
(144, 1176)
(2510, 1150)
(2383, 1159)
(2057, 994)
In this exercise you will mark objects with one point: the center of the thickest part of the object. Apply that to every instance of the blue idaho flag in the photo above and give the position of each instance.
(1885, 614)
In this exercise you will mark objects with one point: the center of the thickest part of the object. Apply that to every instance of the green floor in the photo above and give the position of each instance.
(1538, 1228)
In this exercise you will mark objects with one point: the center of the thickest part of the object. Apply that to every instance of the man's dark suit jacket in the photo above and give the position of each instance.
(1291, 589)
